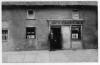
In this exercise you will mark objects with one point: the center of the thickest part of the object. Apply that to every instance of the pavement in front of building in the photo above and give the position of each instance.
(41, 56)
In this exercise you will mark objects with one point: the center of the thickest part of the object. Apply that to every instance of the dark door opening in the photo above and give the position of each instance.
(55, 38)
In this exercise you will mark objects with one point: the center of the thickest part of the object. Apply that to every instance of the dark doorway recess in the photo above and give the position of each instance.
(55, 38)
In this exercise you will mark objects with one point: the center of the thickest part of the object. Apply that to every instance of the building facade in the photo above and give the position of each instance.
(46, 25)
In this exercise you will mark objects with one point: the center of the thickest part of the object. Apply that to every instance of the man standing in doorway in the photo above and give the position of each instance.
(51, 39)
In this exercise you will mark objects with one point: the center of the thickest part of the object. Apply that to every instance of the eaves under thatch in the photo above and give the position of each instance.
(60, 3)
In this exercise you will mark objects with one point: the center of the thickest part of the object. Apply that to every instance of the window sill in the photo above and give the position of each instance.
(30, 19)
(31, 39)
(76, 39)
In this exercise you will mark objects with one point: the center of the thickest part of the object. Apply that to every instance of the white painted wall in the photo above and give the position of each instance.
(66, 36)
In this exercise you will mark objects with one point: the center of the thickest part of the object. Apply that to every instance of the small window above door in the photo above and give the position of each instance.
(30, 14)
(75, 14)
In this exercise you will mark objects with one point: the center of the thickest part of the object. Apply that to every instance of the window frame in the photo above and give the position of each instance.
(75, 14)
(80, 32)
(31, 17)
(29, 33)
(5, 35)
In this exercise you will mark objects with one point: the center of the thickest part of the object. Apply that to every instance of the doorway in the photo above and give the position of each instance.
(55, 38)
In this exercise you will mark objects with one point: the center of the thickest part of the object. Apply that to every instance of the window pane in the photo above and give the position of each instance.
(30, 12)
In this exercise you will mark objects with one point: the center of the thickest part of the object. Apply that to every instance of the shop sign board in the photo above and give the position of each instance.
(65, 22)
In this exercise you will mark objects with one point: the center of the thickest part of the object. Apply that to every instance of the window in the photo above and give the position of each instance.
(76, 32)
(4, 35)
(75, 14)
(30, 33)
(30, 14)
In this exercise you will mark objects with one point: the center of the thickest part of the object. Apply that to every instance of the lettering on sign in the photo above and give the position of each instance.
(64, 22)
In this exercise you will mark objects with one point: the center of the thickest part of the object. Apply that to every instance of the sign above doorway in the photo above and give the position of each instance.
(64, 22)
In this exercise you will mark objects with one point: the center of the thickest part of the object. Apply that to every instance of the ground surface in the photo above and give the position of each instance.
(90, 55)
